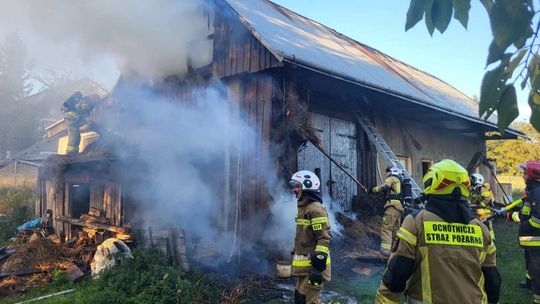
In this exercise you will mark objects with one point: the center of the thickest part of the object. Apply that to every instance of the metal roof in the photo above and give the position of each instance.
(36, 153)
(296, 39)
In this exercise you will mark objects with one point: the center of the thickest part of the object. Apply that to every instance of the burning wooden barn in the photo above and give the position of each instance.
(300, 85)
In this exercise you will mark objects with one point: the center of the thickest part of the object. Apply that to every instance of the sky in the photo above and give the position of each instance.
(457, 56)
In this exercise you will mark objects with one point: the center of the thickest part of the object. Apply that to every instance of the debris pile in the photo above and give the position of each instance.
(32, 255)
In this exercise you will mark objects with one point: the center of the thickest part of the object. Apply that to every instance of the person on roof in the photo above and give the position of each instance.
(77, 110)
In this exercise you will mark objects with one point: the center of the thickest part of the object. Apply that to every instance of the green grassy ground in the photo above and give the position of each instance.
(511, 263)
(127, 285)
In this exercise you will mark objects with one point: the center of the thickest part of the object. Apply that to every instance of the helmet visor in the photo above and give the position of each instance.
(294, 183)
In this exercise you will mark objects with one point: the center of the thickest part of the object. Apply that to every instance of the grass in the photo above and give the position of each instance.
(147, 279)
(17, 205)
(511, 263)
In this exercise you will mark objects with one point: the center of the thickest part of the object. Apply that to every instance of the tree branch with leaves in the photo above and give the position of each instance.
(514, 51)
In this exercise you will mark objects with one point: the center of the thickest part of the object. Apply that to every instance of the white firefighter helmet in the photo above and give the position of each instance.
(477, 179)
(307, 179)
(392, 170)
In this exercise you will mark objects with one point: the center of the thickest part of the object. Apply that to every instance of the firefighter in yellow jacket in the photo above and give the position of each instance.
(77, 109)
(482, 201)
(529, 227)
(443, 254)
(393, 208)
(311, 260)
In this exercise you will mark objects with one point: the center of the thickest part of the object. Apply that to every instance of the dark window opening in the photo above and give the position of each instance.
(79, 199)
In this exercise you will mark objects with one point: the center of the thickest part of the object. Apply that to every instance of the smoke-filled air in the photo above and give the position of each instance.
(144, 37)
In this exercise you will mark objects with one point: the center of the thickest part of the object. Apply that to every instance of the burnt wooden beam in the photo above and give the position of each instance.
(82, 223)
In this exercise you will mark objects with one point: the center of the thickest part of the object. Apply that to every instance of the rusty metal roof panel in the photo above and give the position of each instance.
(294, 38)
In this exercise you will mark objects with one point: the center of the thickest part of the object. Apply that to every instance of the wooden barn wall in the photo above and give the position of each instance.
(236, 50)
(437, 143)
(53, 193)
(328, 97)
(247, 171)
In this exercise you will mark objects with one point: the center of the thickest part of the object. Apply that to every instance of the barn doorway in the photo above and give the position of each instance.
(79, 199)
(339, 139)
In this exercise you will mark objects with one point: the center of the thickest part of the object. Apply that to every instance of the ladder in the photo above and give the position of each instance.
(385, 150)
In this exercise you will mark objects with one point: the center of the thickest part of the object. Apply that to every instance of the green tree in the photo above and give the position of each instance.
(18, 123)
(509, 154)
(513, 53)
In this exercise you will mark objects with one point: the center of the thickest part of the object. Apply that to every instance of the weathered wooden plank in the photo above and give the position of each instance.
(240, 54)
(79, 222)
(254, 55)
(247, 51)
(265, 147)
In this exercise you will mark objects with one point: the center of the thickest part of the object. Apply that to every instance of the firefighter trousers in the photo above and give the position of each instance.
(532, 263)
(390, 225)
(306, 293)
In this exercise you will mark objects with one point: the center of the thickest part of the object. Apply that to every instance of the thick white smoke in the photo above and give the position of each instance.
(179, 148)
(151, 38)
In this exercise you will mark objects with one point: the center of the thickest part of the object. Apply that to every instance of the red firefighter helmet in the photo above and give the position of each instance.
(531, 170)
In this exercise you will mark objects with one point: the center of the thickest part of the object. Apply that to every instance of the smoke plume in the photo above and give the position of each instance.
(150, 38)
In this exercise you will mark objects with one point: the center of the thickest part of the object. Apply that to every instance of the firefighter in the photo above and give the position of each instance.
(529, 227)
(482, 201)
(443, 254)
(518, 216)
(77, 109)
(311, 260)
(393, 208)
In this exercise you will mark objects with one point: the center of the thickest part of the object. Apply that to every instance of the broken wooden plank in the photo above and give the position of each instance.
(18, 273)
(8, 252)
(82, 223)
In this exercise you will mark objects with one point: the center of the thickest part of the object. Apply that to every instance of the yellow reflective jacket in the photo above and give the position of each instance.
(448, 260)
(482, 197)
(312, 235)
(391, 184)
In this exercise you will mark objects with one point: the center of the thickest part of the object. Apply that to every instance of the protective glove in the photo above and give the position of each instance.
(500, 211)
(318, 261)
(315, 277)
(370, 190)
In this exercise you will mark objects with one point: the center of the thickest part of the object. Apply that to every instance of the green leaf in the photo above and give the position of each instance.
(535, 78)
(532, 63)
(499, 20)
(524, 81)
(495, 53)
(428, 18)
(461, 11)
(507, 108)
(490, 90)
(535, 118)
(415, 13)
(514, 63)
(510, 21)
(534, 100)
(441, 14)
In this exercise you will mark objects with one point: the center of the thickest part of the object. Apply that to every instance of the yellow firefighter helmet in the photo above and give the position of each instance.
(446, 177)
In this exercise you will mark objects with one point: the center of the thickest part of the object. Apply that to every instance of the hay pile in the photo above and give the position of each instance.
(360, 236)
(33, 255)
(294, 131)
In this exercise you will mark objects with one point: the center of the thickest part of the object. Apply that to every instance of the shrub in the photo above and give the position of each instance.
(16, 206)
